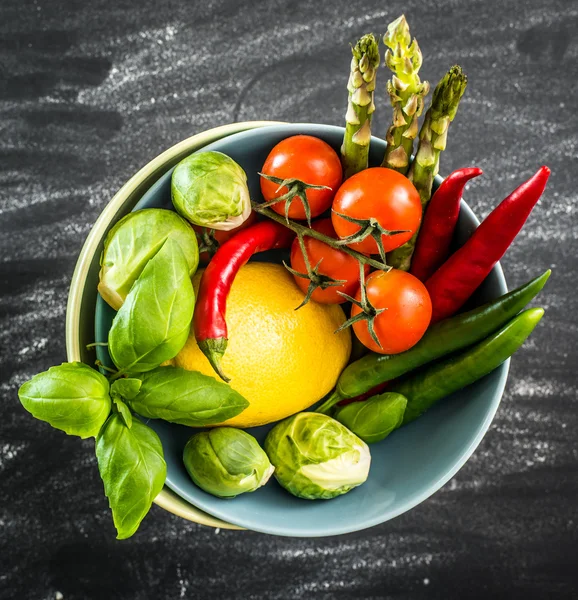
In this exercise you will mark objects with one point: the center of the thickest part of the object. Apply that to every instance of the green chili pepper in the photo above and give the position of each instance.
(424, 388)
(441, 339)
(374, 419)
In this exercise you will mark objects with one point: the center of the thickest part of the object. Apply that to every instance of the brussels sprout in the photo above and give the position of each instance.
(315, 457)
(210, 189)
(226, 462)
(133, 241)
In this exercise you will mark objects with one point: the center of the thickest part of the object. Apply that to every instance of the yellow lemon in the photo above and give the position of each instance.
(280, 359)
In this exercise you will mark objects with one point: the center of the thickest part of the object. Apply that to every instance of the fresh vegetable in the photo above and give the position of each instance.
(432, 140)
(461, 275)
(210, 189)
(437, 229)
(71, 397)
(186, 397)
(132, 468)
(406, 92)
(376, 210)
(125, 389)
(360, 106)
(303, 231)
(133, 241)
(400, 312)
(120, 391)
(322, 271)
(211, 239)
(280, 359)
(374, 419)
(209, 322)
(153, 323)
(300, 177)
(424, 388)
(441, 339)
(316, 457)
(226, 462)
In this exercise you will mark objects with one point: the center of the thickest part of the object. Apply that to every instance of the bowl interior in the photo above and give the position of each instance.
(407, 467)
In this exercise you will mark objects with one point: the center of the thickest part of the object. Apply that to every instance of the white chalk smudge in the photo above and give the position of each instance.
(9, 452)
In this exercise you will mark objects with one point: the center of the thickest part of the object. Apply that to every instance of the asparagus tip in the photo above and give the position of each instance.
(448, 92)
(397, 33)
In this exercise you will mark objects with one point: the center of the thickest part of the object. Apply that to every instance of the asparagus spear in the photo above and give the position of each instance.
(406, 92)
(361, 85)
(432, 140)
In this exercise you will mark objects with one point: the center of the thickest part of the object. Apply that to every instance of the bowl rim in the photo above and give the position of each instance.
(129, 194)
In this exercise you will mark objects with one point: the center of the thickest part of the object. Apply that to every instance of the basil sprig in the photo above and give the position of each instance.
(151, 326)
(186, 397)
(132, 468)
(153, 323)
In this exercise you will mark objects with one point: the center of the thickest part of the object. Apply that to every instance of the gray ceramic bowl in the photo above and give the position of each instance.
(407, 467)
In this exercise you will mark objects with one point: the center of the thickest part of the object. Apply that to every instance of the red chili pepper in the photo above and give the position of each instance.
(437, 229)
(457, 279)
(209, 322)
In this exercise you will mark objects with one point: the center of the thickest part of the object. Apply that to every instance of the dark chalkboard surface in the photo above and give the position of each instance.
(90, 92)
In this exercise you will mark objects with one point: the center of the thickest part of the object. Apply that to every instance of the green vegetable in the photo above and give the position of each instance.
(120, 391)
(445, 337)
(374, 419)
(360, 107)
(133, 470)
(424, 388)
(316, 457)
(226, 462)
(432, 140)
(406, 92)
(133, 241)
(123, 411)
(125, 388)
(71, 397)
(153, 324)
(210, 189)
(186, 397)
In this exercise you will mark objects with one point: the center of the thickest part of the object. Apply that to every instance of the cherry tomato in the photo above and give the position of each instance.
(334, 263)
(310, 160)
(406, 316)
(383, 194)
(220, 237)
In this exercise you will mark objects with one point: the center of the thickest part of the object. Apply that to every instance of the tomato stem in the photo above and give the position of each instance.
(368, 227)
(368, 311)
(316, 279)
(295, 189)
(306, 231)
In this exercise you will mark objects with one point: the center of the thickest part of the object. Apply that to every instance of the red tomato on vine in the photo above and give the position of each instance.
(380, 194)
(405, 315)
(307, 160)
(331, 263)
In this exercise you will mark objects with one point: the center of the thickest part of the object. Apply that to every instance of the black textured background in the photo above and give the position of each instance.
(90, 92)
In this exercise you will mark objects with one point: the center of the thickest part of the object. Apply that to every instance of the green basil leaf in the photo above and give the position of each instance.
(133, 470)
(186, 397)
(123, 410)
(374, 419)
(133, 241)
(71, 397)
(125, 388)
(153, 323)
